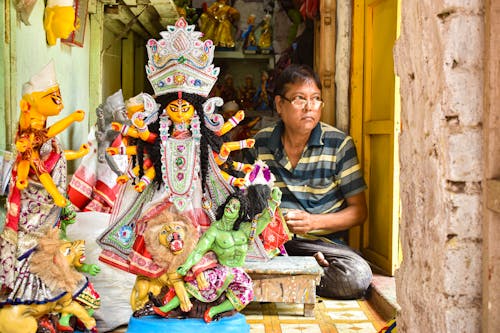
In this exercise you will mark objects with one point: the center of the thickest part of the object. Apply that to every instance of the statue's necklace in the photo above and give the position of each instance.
(180, 162)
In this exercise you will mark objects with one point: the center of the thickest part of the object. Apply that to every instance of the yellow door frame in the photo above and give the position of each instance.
(379, 237)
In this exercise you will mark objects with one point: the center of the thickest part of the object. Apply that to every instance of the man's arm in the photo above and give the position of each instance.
(302, 222)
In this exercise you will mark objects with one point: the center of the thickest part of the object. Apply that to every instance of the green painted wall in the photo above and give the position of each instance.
(112, 64)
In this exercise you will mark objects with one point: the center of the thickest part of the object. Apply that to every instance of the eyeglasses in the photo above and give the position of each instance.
(300, 103)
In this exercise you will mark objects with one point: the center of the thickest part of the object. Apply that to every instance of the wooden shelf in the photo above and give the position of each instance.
(241, 55)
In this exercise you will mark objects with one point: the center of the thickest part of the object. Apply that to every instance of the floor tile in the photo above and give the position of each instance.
(355, 328)
(296, 317)
(348, 315)
(341, 304)
(300, 328)
(257, 328)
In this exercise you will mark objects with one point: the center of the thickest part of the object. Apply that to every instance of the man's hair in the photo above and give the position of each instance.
(293, 74)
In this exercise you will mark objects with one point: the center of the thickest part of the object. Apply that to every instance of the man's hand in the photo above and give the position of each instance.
(299, 221)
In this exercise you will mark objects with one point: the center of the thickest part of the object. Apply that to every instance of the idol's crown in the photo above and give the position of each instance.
(180, 61)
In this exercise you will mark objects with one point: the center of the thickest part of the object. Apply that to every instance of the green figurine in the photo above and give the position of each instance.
(229, 238)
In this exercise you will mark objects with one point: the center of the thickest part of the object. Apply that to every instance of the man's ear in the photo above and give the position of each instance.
(277, 100)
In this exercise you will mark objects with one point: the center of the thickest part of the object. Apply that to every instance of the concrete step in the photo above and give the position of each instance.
(382, 296)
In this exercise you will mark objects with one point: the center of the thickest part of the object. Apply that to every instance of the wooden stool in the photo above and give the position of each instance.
(286, 279)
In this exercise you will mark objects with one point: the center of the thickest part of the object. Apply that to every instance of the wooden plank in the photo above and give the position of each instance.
(167, 11)
(491, 126)
(146, 16)
(96, 20)
(356, 97)
(379, 127)
(493, 195)
(288, 289)
(286, 280)
(113, 24)
(327, 32)
(128, 66)
(116, 14)
(284, 265)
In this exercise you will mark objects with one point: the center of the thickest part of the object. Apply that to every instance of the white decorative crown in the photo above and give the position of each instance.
(180, 61)
(41, 81)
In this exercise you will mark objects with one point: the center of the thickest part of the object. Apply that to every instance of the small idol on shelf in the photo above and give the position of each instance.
(185, 10)
(59, 20)
(262, 99)
(228, 92)
(217, 24)
(247, 93)
(265, 35)
(248, 36)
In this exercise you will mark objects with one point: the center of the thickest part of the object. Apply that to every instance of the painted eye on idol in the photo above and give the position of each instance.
(180, 111)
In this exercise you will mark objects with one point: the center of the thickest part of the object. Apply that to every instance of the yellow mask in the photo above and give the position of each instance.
(59, 22)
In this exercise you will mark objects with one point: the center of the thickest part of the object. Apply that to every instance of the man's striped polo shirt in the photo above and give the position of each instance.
(326, 174)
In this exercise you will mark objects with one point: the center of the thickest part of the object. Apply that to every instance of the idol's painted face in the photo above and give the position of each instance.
(232, 208)
(180, 111)
(231, 211)
(49, 102)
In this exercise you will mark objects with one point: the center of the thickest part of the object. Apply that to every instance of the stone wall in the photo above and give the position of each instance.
(439, 60)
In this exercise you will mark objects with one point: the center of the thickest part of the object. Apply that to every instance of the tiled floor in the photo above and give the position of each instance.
(331, 316)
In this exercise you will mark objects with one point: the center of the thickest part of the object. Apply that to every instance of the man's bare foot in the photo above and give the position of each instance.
(320, 258)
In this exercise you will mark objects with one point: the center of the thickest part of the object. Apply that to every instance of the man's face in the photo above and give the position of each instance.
(299, 120)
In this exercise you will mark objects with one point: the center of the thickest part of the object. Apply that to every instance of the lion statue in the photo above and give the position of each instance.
(54, 262)
(169, 238)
